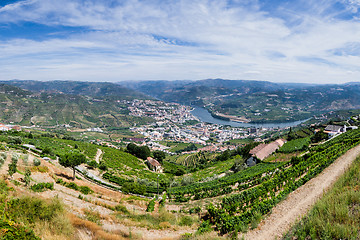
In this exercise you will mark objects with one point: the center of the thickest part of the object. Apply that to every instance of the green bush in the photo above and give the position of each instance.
(131, 187)
(122, 209)
(29, 210)
(40, 187)
(93, 164)
(12, 231)
(27, 176)
(151, 206)
(204, 227)
(187, 180)
(85, 190)
(60, 181)
(103, 167)
(93, 216)
(186, 221)
(36, 162)
(72, 185)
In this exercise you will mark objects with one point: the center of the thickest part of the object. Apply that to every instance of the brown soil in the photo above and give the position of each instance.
(299, 202)
(99, 201)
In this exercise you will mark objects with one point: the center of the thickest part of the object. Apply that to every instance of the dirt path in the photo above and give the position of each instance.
(5, 166)
(297, 204)
(98, 155)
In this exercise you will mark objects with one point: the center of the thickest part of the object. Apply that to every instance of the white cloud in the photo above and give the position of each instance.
(181, 40)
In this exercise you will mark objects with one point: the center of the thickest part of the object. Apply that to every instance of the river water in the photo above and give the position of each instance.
(203, 115)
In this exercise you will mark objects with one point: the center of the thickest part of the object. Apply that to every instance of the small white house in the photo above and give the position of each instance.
(334, 129)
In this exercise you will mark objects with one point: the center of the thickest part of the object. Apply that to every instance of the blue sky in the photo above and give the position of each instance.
(313, 41)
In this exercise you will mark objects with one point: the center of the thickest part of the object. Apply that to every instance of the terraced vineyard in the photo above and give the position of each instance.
(237, 211)
(299, 144)
(233, 183)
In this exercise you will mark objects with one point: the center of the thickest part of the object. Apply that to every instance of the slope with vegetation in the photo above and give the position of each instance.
(337, 214)
(52, 109)
(52, 206)
(259, 101)
(239, 211)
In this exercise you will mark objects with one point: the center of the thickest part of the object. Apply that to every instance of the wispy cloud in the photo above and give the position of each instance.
(113, 40)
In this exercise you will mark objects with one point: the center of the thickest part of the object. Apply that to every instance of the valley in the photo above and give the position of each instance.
(164, 173)
(179, 120)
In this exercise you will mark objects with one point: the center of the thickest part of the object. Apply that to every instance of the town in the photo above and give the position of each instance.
(175, 122)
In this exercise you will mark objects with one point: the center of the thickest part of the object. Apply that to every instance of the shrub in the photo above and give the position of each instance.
(11, 230)
(93, 216)
(92, 164)
(151, 206)
(40, 187)
(26, 159)
(60, 181)
(204, 227)
(85, 190)
(163, 200)
(27, 176)
(12, 169)
(14, 140)
(42, 169)
(30, 209)
(103, 167)
(133, 188)
(72, 185)
(122, 209)
(186, 221)
(36, 162)
(164, 225)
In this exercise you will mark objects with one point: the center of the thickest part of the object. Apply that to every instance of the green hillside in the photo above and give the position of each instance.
(49, 109)
(257, 101)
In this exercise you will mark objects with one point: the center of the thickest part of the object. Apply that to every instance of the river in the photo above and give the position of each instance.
(203, 115)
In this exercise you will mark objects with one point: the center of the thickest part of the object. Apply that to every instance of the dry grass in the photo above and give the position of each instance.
(59, 228)
(42, 169)
(96, 230)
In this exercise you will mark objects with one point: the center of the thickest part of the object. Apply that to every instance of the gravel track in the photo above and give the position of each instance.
(299, 202)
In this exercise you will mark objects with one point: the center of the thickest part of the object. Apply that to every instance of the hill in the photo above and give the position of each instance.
(94, 89)
(258, 101)
(50, 109)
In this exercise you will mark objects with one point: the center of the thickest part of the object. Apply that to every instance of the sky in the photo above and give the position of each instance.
(307, 41)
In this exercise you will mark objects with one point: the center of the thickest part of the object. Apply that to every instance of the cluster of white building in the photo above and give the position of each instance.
(161, 111)
(7, 127)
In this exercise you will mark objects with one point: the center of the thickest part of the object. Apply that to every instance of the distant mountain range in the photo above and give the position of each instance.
(97, 103)
(94, 89)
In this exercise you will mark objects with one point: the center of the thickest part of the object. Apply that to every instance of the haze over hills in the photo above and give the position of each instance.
(258, 101)
(48, 108)
(96, 89)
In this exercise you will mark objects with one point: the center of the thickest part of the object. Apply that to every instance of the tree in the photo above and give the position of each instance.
(159, 155)
(72, 160)
(239, 164)
(131, 148)
(319, 136)
(12, 168)
(143, 152)
(138, 151)
(27, 176)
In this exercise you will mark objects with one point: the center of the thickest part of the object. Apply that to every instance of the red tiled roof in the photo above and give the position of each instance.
(153, 162)
(264, 150)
